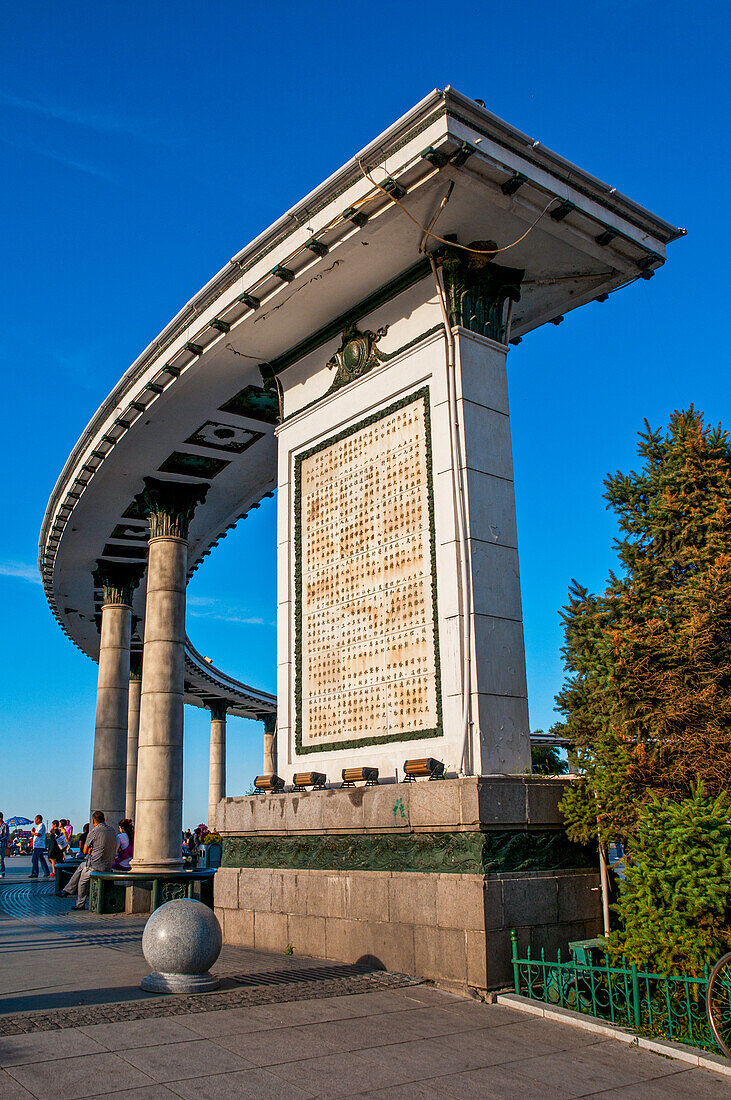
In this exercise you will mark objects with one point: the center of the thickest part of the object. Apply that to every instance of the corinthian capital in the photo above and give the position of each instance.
(218, 709)
(477, 288)
(117, 580)
(270, 722)
(170, 505)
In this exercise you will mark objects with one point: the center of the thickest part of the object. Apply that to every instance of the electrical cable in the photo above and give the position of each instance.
(439, 209)
(453, 244)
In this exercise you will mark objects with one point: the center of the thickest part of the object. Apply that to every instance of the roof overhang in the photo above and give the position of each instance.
(288, 291)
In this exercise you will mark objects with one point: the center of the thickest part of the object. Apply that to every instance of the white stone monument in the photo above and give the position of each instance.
(396, 508)
(354, 358)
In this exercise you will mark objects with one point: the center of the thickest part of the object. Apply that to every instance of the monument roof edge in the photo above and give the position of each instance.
(243, 700)
(500, 130)
(261, 244)
(437, 103)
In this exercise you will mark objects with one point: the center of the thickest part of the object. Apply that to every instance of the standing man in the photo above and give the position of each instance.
(99, 849)
(4, 838)
(38, 852)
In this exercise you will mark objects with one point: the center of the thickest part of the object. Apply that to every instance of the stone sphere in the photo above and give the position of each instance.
(182, 937)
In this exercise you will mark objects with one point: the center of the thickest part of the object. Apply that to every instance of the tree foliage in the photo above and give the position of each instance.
(675, 903)
(647, 700)
(547, 760)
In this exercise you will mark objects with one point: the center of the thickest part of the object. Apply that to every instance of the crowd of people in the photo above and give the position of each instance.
(192, 842)
(4, 841)
(49, 846)
(99, 848)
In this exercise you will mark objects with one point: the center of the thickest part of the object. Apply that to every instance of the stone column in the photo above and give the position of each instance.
(488, 702)
(217, 766)
(270, 729)
(159, 812)
(133, 728)
(108, 776)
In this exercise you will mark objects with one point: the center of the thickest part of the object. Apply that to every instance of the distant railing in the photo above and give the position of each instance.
(669, 1006)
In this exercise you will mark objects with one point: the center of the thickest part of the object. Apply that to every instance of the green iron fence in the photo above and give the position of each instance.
(668, 1006)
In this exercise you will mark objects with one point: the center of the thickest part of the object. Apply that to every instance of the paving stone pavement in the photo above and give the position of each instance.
(62, 969)
(313, 1035)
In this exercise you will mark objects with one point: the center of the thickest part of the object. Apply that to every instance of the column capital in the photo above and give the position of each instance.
(117, 580)
(218, 709)
(269, 720)
(170, 505)
(135, 666)
(477, 289)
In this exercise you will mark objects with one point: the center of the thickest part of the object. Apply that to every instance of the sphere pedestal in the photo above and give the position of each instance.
(159, 982)
(181, 941)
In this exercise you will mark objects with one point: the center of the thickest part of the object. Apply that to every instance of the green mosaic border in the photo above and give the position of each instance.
(437, 731)
(462, 853)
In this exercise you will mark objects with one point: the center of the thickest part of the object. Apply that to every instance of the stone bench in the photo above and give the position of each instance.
(107, 888)
(64, 871)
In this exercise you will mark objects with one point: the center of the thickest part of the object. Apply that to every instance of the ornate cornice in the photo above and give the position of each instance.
(169, 506)
(117, 580)
(477, 289)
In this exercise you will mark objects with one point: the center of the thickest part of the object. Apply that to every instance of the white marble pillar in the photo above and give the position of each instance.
(133, 729)
(108, 777)
(159, 808)
(270, 752)
(217, 764)
(489, 701)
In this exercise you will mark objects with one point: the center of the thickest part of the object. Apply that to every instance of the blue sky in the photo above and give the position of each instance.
(143, 145)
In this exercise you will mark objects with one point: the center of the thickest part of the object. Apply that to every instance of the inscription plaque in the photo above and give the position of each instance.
(366, 647)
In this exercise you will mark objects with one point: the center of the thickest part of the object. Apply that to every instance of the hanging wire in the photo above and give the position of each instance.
(453, 244)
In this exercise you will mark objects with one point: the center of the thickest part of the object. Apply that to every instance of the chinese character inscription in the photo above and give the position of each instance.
(368, 665)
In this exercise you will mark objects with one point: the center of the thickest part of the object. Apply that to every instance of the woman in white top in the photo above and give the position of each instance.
(125, 840)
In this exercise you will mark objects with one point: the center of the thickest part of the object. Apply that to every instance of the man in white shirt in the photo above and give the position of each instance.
(38, 852)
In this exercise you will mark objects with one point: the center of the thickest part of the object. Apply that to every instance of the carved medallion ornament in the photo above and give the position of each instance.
(224, 437)
(356, 355)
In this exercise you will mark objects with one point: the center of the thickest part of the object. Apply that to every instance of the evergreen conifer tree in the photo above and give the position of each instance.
(675, 903)
(647, 701)
(547, 759)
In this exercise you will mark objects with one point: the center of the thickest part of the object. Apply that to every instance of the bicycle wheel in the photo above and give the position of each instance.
(718, 1003)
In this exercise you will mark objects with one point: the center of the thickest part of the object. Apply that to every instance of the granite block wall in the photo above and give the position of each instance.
(450, 928)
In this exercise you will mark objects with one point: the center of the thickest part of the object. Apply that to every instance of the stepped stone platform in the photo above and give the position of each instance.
(423, 878)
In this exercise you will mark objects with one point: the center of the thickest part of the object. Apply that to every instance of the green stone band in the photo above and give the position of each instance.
(466, 853)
